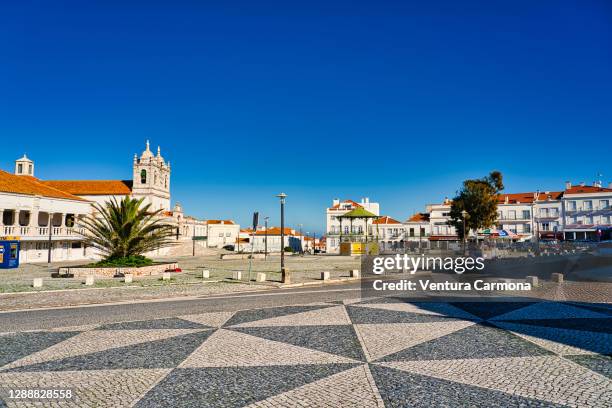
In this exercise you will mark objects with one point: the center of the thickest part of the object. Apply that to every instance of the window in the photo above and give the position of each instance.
(554, 212)
(589, 219)
(143, 176)
(512, 215)
(412, 232)
(422, 231)
(20, 168)
(228, 234)
(220, 235)
(346, 229)
(588, 205)
(526, 214)
(543, 212)
(76, 245)
(545, 226)
(526, 228)
(571, 206)
(30, 169)
(604, 204)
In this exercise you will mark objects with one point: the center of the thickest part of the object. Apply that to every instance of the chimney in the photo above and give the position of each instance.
(568, 185)
(582, 184)
(336, 202)
(367, 200)
(506, 200)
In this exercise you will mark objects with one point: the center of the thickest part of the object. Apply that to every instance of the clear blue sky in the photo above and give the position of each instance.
(398, 101)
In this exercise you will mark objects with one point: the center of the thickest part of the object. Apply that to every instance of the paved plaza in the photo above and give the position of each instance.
(353, 352)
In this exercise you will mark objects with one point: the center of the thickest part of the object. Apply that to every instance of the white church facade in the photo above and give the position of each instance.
(44, 214)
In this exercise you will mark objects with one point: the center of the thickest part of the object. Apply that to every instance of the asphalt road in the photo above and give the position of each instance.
(44, 319)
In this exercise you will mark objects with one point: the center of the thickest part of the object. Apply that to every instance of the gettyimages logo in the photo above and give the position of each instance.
(412, 264)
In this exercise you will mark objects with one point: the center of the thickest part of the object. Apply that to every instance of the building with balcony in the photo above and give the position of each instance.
(439, 216)
(45, 214)
(390, 233)
(336, 227)
(515, 213)
(417, 227)
(45, 219)
(587, 212)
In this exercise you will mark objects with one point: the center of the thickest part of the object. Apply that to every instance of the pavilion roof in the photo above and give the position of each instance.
(358, 212)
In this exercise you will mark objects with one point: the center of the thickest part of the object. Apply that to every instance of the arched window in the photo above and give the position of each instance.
(143, 176)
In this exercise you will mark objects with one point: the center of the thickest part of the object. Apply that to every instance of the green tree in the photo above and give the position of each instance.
(126, 229)
(479, 198)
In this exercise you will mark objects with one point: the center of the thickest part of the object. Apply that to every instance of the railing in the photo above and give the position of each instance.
(38, 232)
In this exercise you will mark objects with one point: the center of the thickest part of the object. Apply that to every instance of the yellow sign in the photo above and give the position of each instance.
(10, 238)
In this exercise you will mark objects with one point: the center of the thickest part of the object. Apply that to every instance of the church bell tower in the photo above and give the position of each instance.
(151, 179)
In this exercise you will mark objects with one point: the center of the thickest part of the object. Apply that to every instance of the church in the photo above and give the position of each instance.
(38, 212)
(150, 180)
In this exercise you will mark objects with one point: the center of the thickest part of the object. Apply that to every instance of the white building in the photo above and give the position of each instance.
(388, 232)
(515, 213)
(220, 233)
(417, 227)
(27, 203)
(272, 235)
(587, 212)
(439, 216)
(335, 227)
(41, 217)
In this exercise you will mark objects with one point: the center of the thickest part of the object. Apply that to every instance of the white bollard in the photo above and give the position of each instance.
(557, 277)
(237, 275)
(533, 280)
(261, 277)
(355, 273)
(205, 274)
(89, 280)
(325, 276)
(37, 283)
(128, 278)
(166, 276)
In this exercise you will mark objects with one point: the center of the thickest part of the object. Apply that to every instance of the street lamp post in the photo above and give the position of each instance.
(464, 214)
(284, 274)
(266, 237)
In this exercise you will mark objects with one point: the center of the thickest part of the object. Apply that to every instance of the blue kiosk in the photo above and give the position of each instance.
(9, 253)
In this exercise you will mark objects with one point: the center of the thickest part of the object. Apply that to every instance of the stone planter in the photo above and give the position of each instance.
(152, 270)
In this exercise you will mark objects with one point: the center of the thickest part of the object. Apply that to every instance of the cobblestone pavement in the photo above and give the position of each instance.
(358, 353)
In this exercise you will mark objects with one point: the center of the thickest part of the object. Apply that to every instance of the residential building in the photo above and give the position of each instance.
(417, 227)
(388, 232)
(515, 214)
(335, 226)
(439, 216)
(272, 235)
(587, 212)
(219, 233)
(547, 215)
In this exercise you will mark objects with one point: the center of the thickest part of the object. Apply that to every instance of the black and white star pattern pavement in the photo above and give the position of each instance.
(361, 353)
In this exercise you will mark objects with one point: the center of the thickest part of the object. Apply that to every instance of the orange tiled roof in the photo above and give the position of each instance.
(225, 222)
(92, 187)
(419, 217)
(385, 220)
(587, 189)
(29, 185)
(277, 231)
(528, 198)
(353, 203)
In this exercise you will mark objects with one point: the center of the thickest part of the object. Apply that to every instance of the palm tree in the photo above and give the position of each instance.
(126, 228)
